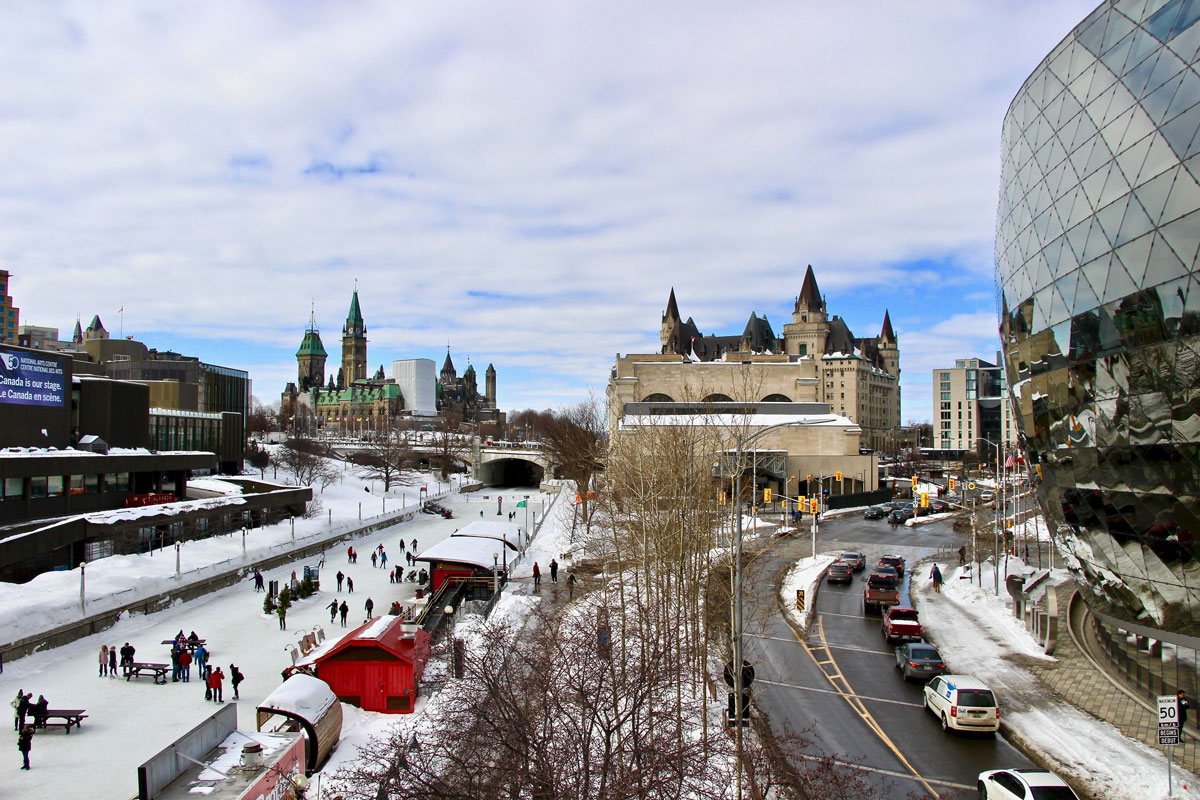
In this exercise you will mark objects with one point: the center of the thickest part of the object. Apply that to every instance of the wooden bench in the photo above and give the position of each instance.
(189, 646)
(140, 668)
(69, 717)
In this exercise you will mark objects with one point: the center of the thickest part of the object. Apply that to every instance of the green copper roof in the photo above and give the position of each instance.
(360, 394)
(355, 315)
(311, 346)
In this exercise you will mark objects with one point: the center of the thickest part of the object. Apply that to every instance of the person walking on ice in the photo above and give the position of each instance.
(25, 744)
(571, 581)
(340, 577)
(103, 660)
(537, 574)
(349, 584)
(343, 609)
(333, 609)
(370, 606)
(553, 571)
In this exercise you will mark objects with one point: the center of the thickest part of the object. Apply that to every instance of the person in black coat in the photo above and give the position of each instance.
(1184, 705)
(235, 678)
(39, 711)
(343, 610)
(25, 744)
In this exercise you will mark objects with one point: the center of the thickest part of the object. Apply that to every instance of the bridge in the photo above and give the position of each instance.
(493, 463)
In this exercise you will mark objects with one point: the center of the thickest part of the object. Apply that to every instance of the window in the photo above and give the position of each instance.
(945, 395)
(37, 486)
(54, 485)
(12, 489)
(76, 484)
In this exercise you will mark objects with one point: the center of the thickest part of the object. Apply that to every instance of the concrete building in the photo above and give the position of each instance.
(10, 315)
(417, 380)
(817, 359)
(37, 337)
(970, 402)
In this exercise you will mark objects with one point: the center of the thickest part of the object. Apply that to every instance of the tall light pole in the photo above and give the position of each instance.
(82, 587)
(996, 516)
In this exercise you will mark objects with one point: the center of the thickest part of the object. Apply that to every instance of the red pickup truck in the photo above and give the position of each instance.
(881, 592)
(900, 624)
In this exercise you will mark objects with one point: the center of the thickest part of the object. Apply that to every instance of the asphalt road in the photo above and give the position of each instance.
(840, 686)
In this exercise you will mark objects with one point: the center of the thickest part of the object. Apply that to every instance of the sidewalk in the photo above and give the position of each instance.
(1062, 710)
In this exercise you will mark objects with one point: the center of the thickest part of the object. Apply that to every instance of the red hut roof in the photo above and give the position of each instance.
(390, 633)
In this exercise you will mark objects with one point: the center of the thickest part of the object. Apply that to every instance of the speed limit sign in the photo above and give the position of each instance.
(1168, 719)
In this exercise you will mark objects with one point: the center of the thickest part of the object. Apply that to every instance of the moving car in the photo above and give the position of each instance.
(839, 572)
(876, 512)
(962, 703)
(1022, 784)
(886, 571)
(900, 516)
(919, 660)
(855, 559)
(939, 506)
(880, 592)
(895, 562)
(901, 624)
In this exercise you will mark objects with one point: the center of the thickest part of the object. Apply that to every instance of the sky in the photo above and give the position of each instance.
(524, 182)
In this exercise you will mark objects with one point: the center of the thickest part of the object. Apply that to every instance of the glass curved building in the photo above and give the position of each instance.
(1096, 265)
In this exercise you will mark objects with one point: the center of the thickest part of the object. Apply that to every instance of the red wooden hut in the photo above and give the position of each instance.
(376, 666)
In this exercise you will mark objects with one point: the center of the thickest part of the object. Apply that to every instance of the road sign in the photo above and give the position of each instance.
(950, 484)
(799, 599)
(971, 486)
(1168, 719)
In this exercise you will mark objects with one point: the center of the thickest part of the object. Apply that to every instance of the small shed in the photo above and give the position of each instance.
(466, 556)
(306, 705)
(376, 666)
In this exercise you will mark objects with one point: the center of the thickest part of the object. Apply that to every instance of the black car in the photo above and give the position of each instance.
(919, 660)
(895, 562)
(839, 572)
(855, 559)
(900, 516)
(876, 512)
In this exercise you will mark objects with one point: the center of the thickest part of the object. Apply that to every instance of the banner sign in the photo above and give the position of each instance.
(31, 380)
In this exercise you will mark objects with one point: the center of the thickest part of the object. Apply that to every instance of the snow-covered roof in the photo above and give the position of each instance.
(26, 452)
(214, 485)
(740, 421)
(464, 550)
(302, 695)
(487, 529)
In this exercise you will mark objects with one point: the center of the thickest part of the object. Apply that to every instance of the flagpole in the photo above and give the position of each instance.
(122, 313)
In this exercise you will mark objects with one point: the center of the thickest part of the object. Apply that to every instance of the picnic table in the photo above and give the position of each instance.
(140, 668)
(190, 646)
(69, 717)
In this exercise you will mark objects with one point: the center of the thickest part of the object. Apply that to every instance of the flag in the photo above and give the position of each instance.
(1012, 459)
(521, 504)
(121, 310)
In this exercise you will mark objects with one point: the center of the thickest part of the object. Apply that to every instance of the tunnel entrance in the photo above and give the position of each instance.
(508, 472)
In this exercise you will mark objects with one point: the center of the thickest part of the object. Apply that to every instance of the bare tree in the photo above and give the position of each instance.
(448, 443)
(306, 460)
(574, 438)
(387, 455)
(262, 418)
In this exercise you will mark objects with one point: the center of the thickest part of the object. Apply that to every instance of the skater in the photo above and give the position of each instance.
(103, 660)
(185, 666)
(112, 661)
(20, 705)
(127, 653)
(571, 581)
(349, 584)
(936, 574)
(392, 576)
(258, 582)
(235, 679)
(39, 711)
(340, 578)
(481, 512)
(537, 574)
(374, 559)
(333, 608)
(282, 612)
(382, 559)
(553, 571)
(343, 609)
(349, 555)
(962, 555)
(214, 683)
(201, 659)
(402, 545)
(176, 668)
(25, 744)
(414, 546)
(370, 606)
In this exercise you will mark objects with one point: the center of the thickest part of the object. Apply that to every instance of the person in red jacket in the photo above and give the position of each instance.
(185, 665)
(214, 684)
(537, 574)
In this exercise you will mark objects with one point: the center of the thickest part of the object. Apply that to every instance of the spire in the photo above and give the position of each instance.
(354, 318)
(448, 365)
(672, 311)
(810, 295)
(77, 337)
(312, 316)
(887, 335)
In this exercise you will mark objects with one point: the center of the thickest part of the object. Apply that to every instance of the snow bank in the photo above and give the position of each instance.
(805, 574)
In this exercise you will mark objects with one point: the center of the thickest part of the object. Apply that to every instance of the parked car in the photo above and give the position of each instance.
(839, 572)
(900, 516)
(1021, 784)
(919, 660)
(855, 559)
(901, 624)
(895, 562)
(876, 512)
(939, 506)
(962, 703)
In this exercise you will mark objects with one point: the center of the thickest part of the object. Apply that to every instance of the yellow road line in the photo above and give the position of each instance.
(843, 687)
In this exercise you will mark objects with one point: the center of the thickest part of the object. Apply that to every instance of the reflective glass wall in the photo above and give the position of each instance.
(1096, 246)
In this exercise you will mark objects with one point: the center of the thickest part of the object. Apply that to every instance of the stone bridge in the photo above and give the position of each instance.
(492, 463)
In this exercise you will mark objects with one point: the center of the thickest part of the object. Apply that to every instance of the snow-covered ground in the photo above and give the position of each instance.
(977, 635)
(805, 574)
(130, 721)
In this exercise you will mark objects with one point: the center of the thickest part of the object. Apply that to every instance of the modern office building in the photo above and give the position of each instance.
(10, 315)
(1096, 245)
(970, 402)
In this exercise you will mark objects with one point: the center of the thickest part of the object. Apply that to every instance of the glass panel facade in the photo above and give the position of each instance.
(1097, 234)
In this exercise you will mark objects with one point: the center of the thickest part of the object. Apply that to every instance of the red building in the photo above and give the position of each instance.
(376, 666)
(479, 550)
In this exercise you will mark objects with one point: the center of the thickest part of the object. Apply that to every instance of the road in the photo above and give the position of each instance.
(840, 682)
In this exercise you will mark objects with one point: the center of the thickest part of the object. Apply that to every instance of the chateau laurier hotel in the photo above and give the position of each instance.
(817, 360)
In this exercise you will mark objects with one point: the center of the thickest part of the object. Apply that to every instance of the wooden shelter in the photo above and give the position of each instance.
(306, 705)
(376, 666)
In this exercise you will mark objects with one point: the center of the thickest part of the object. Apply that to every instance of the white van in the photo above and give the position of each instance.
(962, 703)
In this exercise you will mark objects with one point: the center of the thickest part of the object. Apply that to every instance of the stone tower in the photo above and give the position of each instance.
(310, 358)
(470, 389)
(489, 386)
(354, 345)
(448, 375)
(808, 331)
(670, 319)
(889, 347)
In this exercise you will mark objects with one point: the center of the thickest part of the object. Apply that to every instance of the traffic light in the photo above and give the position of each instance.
(801, 503)
(812, 506)
(767, 495)
(924, 499)
(724, 498)
(950, 485)
(838, 475)
(914, 481)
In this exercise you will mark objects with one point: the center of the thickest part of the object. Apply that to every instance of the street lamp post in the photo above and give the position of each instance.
(996, 516)
(82, 587)
(243, 541)
(178, 547)
(495, 572)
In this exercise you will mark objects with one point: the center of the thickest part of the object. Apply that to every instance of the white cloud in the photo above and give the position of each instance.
(214, 166)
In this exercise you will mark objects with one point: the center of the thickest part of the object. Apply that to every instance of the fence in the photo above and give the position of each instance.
(861, 499)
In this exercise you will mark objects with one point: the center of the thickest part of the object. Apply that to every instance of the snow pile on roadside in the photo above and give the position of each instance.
(977, 635)
(805, 574)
